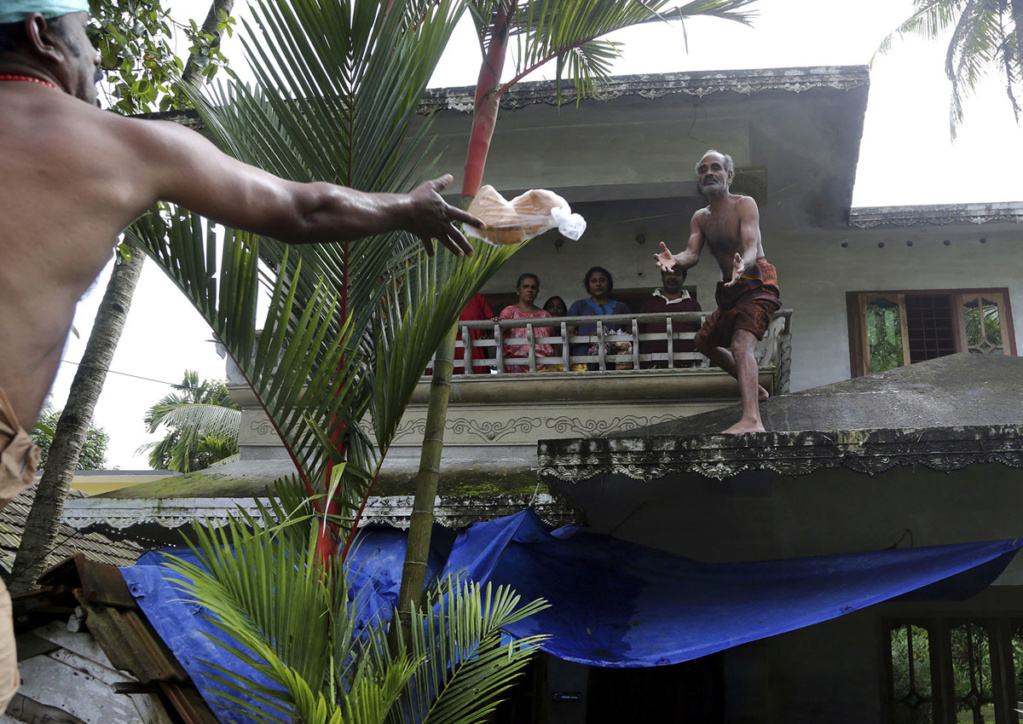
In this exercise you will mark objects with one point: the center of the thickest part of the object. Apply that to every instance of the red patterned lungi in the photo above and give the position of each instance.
(749, 304)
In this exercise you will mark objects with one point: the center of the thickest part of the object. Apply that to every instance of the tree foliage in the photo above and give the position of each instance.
(349, 326)
(94, 452)
(136, 41)
(200, 422)
(330, 661)
(569, 32)
(987, 36)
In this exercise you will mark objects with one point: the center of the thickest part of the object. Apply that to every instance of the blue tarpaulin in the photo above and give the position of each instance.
(618, 604)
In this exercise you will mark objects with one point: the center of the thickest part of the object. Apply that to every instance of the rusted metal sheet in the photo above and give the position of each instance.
(131, 644)
(120, 628)
(186, 701)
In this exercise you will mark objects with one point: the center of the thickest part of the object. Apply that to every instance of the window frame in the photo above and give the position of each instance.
(856, 312)
(943, 695)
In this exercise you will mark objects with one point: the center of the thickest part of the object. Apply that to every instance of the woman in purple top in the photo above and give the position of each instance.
(599, 285)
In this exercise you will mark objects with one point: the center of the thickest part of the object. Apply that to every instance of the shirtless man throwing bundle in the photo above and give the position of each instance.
(747, 295)
(73, 176)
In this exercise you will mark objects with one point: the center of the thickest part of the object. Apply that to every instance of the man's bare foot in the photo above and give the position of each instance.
(762, 394)
(744, 426)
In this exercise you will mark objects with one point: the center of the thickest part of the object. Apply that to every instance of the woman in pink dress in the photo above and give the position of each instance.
(526, 288)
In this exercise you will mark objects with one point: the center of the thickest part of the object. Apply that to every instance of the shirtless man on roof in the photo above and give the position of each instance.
(747, 295)
(73, 176)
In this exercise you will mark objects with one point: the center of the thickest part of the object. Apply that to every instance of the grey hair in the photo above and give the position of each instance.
(729, 163)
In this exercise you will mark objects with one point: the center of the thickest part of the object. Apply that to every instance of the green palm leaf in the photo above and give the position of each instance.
(986, 33)
(295, 622)
(568, 30)
(348, 330)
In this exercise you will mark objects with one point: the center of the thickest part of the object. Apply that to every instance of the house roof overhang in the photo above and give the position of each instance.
(120, 629)
(993, 214)
(794, 134)
(473, 489)
(944, 414)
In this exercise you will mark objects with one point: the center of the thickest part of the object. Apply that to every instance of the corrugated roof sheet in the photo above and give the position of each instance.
(120, 628)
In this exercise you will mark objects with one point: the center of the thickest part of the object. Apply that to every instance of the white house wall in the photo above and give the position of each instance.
(814, 270)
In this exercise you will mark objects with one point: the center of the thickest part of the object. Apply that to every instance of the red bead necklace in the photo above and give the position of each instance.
(28, 79)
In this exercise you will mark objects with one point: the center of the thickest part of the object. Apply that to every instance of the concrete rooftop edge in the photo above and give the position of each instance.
(112, 514)
(868, 217)
(651, 85)
(787, 453)
(656, 85)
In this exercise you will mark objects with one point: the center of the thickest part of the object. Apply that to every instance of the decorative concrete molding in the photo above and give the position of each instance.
(937, 215)
(493, 430)
(454, 512)
(787, 453)
(460, 512)
(658, 85)
(596, 427)
(170, 513)
(414, 429)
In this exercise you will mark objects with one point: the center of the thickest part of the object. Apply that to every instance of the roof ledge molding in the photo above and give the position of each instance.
(787, 453)
(869, 217)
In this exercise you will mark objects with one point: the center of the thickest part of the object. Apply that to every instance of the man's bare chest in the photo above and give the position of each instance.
(721, 232)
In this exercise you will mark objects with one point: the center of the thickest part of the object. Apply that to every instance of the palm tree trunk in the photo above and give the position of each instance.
(420, 531)
(486, 103)
(417, 552)
(73, 426)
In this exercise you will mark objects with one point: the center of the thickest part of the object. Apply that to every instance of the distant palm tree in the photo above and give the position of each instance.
(201, 423)
(988, 35)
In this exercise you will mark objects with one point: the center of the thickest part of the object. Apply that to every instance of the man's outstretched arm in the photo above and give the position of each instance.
(188, 170)
(666, 261)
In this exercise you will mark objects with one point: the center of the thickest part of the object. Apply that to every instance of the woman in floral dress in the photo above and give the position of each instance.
(526, 288)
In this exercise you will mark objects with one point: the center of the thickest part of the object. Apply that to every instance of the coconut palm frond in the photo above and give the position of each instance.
(205, 418)
(241, 563)
(417, 312)
(545, 30)
(310, 637)
(978, 42)
(589, 65)
(467, 660)
(281, 365)
(985, 34)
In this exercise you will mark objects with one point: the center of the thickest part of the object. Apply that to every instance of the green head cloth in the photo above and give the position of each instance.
(14, 11)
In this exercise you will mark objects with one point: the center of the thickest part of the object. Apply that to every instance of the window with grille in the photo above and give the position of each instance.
(892, 329)
(955, 670)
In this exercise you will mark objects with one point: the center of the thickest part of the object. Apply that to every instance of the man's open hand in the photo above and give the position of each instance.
(433, 218)
(738, 267)
(664, 259)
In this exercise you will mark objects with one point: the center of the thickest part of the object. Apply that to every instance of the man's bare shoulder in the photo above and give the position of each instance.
(744, 203)
(86, 167)
(701, 215)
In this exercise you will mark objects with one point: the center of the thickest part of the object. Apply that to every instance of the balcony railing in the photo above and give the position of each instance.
(621, 342)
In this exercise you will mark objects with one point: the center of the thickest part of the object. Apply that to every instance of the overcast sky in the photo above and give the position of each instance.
(906, 158)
